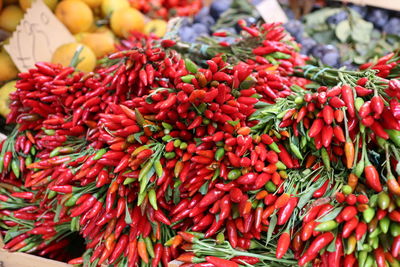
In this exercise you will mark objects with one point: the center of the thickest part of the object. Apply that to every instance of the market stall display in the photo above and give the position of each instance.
(220, 152)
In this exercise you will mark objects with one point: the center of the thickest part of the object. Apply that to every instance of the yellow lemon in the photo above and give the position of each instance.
(5, 92)
(109, 6)
(156, 26)
(10, 17)
(64, 54)
(76, 15)
(8, 69)
(101, 43)
(125, 20)
(25, 4)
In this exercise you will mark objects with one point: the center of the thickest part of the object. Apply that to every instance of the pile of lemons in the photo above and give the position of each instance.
(97, 26)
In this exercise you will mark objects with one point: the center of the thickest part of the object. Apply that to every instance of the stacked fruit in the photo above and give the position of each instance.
(224, 161)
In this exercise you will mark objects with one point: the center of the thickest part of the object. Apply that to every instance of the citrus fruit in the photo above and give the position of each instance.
(65, 53)
(125, 20)
(76, 15)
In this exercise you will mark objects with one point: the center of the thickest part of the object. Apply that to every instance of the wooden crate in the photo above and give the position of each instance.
(18, 259)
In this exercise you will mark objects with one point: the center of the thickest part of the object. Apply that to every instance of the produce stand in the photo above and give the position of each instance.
(190, 133)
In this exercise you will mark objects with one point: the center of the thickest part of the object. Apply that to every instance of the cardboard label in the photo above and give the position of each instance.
(37, 36)
(270, 11)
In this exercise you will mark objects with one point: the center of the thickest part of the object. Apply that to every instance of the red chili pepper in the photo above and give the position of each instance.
(286, 212)
(316, 128)
(218, 262)
(380, 257)
(349, 227)
(348, 213)
(319, 243)
(379, 130)
(283, 245)
(372, 176)
(348, 98)
(210, 198)
(361, 230)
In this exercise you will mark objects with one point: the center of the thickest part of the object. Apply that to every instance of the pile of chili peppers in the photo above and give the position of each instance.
(247, 157)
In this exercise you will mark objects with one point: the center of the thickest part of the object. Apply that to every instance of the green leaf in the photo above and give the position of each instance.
(137, 135)
(331, 247)
(320, 16)
(128, 218)
(168, 194)
(331, 215)
(176, 197)
(361, 31)
(343, 31)
(305, 198)
(233, 123)
(271, 228)
(204, 188)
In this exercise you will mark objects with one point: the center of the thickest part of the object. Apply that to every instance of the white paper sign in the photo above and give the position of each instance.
(37, 36)
(271, 11)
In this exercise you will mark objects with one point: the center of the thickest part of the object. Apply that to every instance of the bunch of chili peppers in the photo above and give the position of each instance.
(243, 156)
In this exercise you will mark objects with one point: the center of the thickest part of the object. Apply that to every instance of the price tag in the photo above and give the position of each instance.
(270, 11)
(37, 36)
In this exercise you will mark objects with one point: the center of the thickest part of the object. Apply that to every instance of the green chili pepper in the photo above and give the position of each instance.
(270, 187)
(141, 198)
(55, 152)
(394, 136)
(279, 55)
(28, 161)
(381, 142)
(129, 181)
(383, 200)
(167, 125)
(1, 162)
(158, 167)
(99, 154)
(177, 143)
(219, 154)
(74, 222)
(149, 246)
(362, 257)
(369, 262)
(187, 78)
(15, 167)
(358, 103)
(51, 194)
(280, 165)
(220, 238)
(299, 100)
(49, 131)
(170, 155)
(166, 138)
(326, 226)
(145, 170)
(191, 66)
(247, 83)
(33, 151)
(272, 60)
(153, 199)
(394, 229)
(359, 169)
(274, 147)
(72, 200)
(234, 174)
(295, 150)
(325, 159)
(29, 246)
(374, 233)
(368, 214)
(183, 145)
